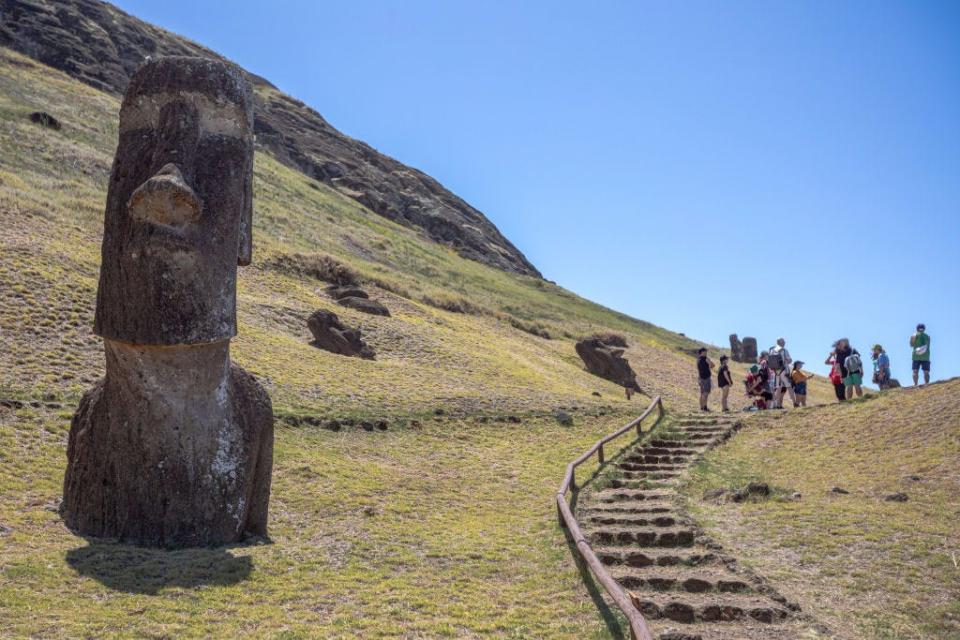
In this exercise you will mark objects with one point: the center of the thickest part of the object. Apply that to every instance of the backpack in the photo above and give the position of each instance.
(853, 363)
(775, 359)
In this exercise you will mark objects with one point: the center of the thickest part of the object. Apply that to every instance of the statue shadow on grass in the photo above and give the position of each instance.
(147, 571)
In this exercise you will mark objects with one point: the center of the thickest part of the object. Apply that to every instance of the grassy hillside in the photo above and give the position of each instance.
(441, 525)
(865, 566)
(52, 186)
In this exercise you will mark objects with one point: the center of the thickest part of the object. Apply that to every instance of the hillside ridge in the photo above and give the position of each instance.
(101, 46)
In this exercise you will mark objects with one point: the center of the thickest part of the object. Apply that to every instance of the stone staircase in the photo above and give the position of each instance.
(680, 580)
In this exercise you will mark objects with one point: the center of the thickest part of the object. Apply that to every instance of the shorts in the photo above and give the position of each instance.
(705, 385)
(783, 380)
(800, 388)
(853, 379)
(921, 364)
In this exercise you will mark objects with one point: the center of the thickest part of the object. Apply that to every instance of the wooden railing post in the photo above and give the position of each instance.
(573, 480)
(600, 454)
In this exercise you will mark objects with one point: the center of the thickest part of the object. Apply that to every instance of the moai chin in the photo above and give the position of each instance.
(174, 447)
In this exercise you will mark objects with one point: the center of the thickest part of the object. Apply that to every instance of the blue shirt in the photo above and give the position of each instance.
(882, 362)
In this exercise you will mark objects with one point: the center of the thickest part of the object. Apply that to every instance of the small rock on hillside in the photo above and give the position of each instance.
(44, 119)
(365, 305)
(347, 291)
(603, 356)
(330, 334)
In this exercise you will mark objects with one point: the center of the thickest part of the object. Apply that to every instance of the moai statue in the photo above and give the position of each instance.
(748, 350)
(174, 447)
(736, 348)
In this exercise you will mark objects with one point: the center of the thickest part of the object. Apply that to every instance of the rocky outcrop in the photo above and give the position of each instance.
(174, 447)
(331, 334)
(100, 45)
(603, 356)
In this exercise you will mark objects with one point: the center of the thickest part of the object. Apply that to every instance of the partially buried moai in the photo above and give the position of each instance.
(174, 447)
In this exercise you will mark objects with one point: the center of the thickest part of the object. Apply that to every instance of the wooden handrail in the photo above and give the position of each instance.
(638, 626)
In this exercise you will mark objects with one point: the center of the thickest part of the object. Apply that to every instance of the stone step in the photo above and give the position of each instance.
(637, 467)
(667, 443)
(643, 482)
(646, 507)
(695, 556)
(703, 579)
(660, 451)
(649, 458)
(640, 495)
(634, 520)
(649, 475)
(708, 607)
(622, 535)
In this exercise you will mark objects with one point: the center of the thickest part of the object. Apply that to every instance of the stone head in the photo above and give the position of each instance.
(179, 205)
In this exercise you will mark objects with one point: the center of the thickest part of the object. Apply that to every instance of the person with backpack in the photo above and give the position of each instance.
(724, 382)
(704, 374)
(920, 341)
(852, 367)
(881, 367)
(836, 375)
(779, 361)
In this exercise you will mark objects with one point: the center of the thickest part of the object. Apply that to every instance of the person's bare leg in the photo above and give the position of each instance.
(926, 377)
(916, 377)
(849, 392)
(859, 391)
(723, 398)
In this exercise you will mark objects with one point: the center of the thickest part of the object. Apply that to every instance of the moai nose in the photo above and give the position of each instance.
(165, 199)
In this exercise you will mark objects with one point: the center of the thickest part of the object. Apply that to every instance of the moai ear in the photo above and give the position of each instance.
(245, 237)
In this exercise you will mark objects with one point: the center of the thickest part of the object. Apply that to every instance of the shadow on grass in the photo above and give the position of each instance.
(609, 615)
(146, 571)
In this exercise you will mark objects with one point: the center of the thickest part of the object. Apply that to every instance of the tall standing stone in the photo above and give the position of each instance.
(736, 348)
(174, 447)
(749, 350)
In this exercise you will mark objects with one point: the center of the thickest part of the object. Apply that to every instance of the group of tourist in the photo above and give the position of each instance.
(777, 376)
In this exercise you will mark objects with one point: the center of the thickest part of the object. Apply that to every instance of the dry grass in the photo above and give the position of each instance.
(447, 530)
(866, 567)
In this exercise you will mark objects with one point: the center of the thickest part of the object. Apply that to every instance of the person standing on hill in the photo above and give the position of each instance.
(704, 367)
(836, 374)
(881, 367)
(780, 362)
(799, 378)
(724, 381)
(851, 366)
(920, 341)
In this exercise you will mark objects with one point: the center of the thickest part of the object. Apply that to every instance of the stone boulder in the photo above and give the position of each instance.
(44, 119)
(347, 291)
(603, 356)
(365, 305)
(748, 350)
(331, 335)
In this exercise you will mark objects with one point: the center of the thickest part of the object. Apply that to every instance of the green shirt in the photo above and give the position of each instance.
(921, 347)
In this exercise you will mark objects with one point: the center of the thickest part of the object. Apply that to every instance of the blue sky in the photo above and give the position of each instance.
(769, 168)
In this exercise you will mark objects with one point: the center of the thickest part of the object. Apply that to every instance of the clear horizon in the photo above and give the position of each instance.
(769, 170)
